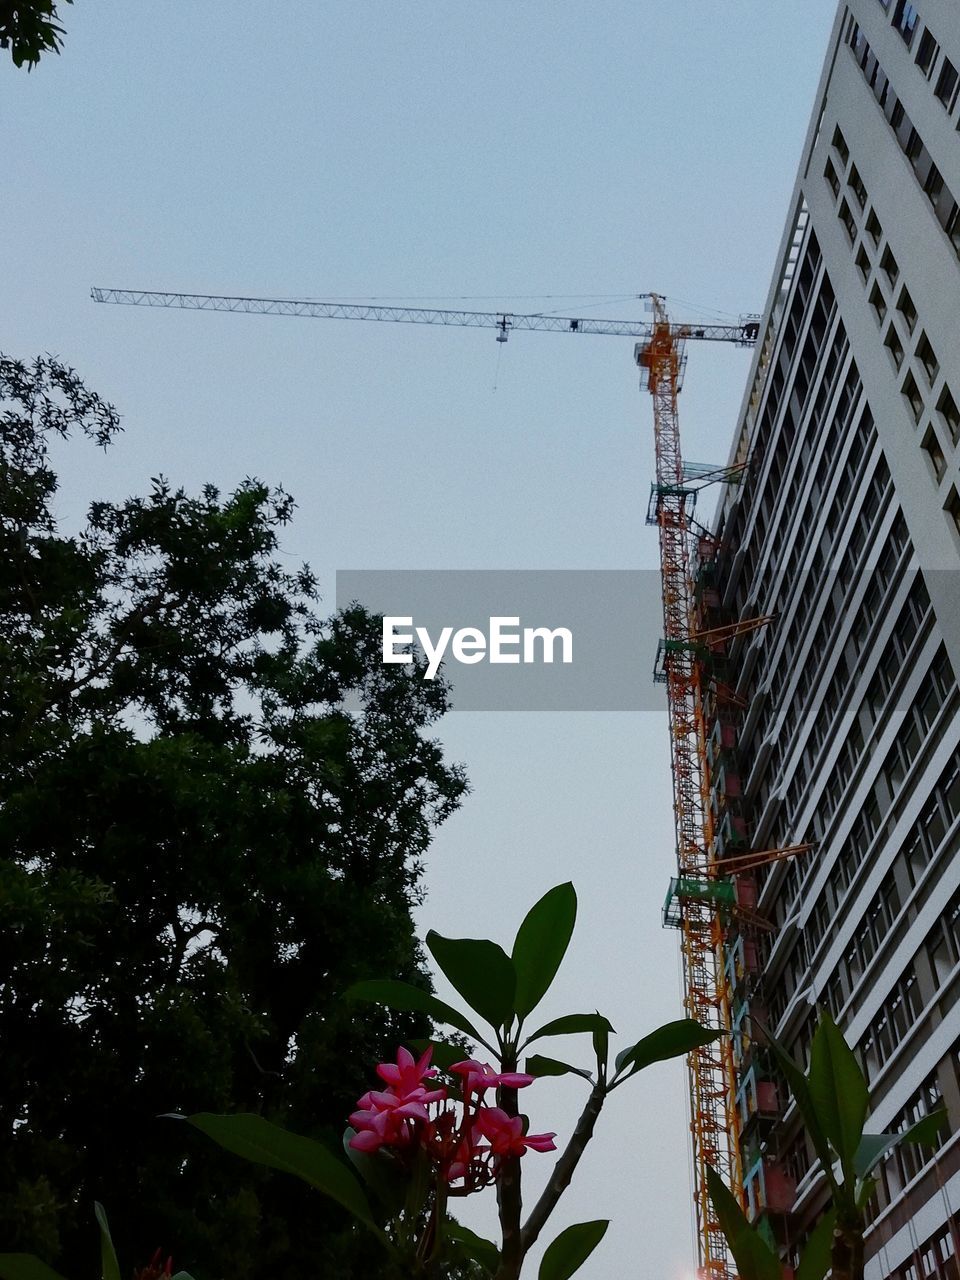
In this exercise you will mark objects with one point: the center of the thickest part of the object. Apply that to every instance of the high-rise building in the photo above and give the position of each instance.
(846, 730)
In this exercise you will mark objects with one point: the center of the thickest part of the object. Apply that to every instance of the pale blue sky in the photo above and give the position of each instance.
(496, 152)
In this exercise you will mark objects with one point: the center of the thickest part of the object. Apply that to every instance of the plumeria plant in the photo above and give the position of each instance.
(444, 1126)
(25, 1266)
(833, 1099)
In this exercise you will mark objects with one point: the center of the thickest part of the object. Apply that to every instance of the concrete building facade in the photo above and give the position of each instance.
(846, 526)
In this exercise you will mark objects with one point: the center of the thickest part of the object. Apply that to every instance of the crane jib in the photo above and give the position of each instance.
(744, 333)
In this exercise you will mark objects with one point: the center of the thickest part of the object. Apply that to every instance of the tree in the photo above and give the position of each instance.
(30, 29)
(213, 811)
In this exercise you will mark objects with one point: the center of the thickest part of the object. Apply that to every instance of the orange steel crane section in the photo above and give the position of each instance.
(715, 1121)
(660, 353)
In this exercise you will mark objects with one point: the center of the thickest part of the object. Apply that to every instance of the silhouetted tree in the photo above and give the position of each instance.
(29, 29)
(213, 809)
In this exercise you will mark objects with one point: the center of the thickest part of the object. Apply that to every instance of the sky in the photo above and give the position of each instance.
(530, 157)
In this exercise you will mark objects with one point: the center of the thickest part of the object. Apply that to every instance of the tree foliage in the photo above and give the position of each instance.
(29, 29)
(213, 809)
(833, 1099)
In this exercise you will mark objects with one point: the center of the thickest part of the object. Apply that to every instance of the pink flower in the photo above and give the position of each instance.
(377, 1127)
(505, 1133)
(464, 1143)
(406, 1075)
(380, 1116)
(478, 1077)
(366, 1140)
(156, 1268)
(459, 1167)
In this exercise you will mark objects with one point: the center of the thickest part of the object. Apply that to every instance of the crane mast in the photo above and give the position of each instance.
(711, 899)
(714, 1117)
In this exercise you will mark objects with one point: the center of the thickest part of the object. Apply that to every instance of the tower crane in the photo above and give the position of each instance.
(744, 333)
(705, 901)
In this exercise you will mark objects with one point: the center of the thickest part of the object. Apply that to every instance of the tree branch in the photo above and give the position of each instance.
(563, 1170)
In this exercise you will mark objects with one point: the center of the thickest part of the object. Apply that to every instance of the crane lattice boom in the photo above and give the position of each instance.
(744, 333)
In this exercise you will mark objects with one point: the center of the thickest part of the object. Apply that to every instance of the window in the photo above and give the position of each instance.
(907, 310)
(846, 217)
(874, 229)
(947, 409)
(863, 263)
(926, 52)
(892, 1023)
(888, 265)
(878, 302)
(952, 509)
(933, 184)
(856, 186)
(929, 831)
(951, 224)
(943, 941)
(946, 90)
(840, 146)
(927, 357)
(911, 393)
(913, 147)
(894, 345)
(833, 182)
(902, 1164)
(905, 19)
(935, 456)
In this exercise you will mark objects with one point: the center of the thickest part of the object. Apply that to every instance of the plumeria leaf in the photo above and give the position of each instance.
(444, 1054)
(572, 1247)
(815, 1260)
(673, 1040)
(864, 1192)
(108, 1254)
(481, 971)
(476, 1248)
(407, 999)
(925, 1132)
(838, 1090)
(801, 1092)
(754, 1258)
(571, 1025)
(541, 944)
(874, 1146)
(24, 1266)
(380, 1173)
(537, 1065)
(256, 1139)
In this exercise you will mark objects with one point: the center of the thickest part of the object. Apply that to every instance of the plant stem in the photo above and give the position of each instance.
(846, 1255)
(509, 1199)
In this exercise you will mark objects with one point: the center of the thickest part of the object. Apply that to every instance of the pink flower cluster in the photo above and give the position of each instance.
(466, 1142)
